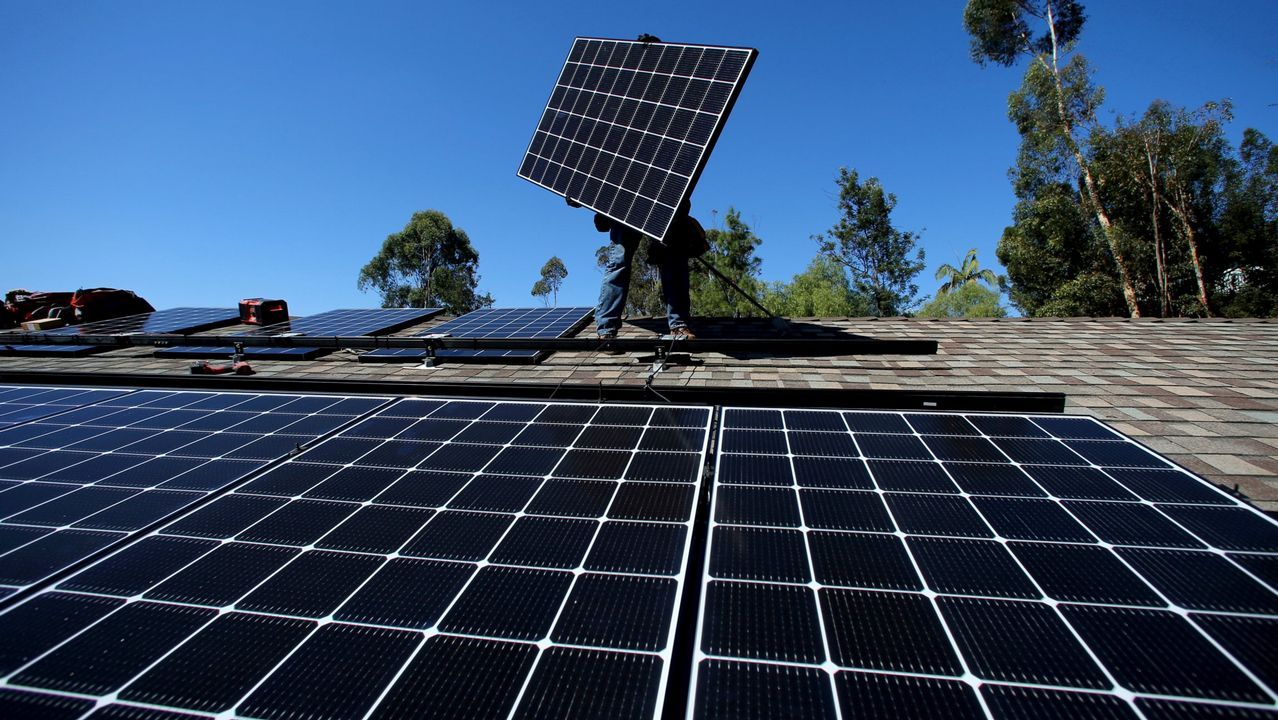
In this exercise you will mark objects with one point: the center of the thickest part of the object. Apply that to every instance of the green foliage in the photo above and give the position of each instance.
(1001, 30)
(1047, 153)
(644, 297)
(732, 252)
(969, 300)
(1051, 243)
(429, 263)
(822, 290)
(876, 254)
(969, 272)
(552, 278)
(1248, 270)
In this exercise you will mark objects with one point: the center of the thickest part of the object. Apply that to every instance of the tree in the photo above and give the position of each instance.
(969, 272)
(822, 290)
(1247, 271)
(1057, 101)
(876, 254)
(969, 300)
(429, 263)
(732, 252)
(552, 278)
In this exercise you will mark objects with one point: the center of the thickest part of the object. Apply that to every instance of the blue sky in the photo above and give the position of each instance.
(203, 152)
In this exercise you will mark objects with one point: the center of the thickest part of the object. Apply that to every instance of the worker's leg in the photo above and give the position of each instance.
(616, 283)
(674, 287)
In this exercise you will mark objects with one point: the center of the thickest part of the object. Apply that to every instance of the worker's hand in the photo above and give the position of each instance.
(602, 222)
(572, 203)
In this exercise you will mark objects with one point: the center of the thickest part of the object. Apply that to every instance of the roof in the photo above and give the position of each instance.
(1202, 392)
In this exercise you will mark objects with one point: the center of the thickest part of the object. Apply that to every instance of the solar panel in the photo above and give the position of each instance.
(494, 323)
(936, 565)
(348, 323)
(457, 558)
(172, 320)
(20, 403)
(251, 352)
(629, 126)
(76, 482)
(334, 323)
(39, 350)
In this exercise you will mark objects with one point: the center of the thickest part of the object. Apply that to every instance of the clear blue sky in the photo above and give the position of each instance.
(203, 152)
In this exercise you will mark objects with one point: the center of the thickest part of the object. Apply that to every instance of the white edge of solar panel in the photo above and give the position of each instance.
(752, 53)
(830, 668)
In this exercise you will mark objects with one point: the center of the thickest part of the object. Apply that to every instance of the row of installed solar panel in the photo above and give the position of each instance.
(494, 323)
(468, 558)
(334, 323)
(174, 320)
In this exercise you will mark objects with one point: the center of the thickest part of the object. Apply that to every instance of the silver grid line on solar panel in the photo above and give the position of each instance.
(894, 545)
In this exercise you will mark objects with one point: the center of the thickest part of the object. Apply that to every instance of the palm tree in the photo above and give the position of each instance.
(969, 272)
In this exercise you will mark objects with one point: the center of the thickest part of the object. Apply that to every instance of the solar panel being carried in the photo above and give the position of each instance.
(494, 323)
(629, 126)
(334, 323)
(950, 566)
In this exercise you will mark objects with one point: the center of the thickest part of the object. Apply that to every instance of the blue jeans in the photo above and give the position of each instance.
(616, 281)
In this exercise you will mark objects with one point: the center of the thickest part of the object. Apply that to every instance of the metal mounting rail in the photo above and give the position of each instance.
(790, 346)
(781, 397)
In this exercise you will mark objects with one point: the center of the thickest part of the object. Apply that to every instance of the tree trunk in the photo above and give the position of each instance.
(1129, 291)
(1180, 210)
(1160, 261)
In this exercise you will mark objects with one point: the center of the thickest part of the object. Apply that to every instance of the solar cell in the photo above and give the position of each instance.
(494, 323)
(363, 577)
(91, 476)
(1054, 567)
(629, 126)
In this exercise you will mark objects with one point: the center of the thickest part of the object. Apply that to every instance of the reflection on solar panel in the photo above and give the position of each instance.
(35, 350)
(629, 126)
(76, 482)
(349, 323)
(458, 559)
(20, 404)
(983, 566)
(172, 320)
(334, 323)
(494, 323)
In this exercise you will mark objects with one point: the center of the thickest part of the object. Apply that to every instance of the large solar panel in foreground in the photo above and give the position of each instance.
(629, 126)
(884, 565)
(494, 323)
(446, 559)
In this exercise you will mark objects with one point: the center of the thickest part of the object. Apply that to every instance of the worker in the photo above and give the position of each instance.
(685, 239)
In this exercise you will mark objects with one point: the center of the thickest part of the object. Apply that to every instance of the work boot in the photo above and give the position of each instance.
(683, 333)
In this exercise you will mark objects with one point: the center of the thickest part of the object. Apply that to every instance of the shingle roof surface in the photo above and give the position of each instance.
(1202, 392)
